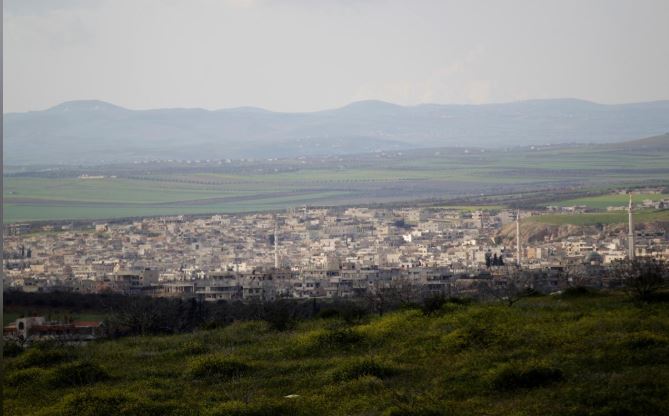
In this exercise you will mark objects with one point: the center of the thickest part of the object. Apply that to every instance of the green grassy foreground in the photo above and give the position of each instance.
(597, 355)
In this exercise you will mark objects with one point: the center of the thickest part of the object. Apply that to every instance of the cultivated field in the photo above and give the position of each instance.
(594, 218)
(612, 200)
(456, 175)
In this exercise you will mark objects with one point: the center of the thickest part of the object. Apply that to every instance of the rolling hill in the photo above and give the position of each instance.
(95, 132)
(574, 354)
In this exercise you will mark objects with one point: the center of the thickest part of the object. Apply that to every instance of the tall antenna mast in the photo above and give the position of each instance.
(630, 234)
(276, 243)
(518, 250)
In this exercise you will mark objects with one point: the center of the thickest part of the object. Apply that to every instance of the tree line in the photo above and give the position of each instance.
(644, 279)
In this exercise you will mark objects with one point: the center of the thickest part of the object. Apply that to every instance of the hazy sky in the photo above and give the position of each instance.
(303, 55)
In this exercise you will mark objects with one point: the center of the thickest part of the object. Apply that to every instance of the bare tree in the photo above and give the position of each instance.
(405, 291)
(142, 316)
(641, 276)
(577, 275)
(512, 286)
(379, 297)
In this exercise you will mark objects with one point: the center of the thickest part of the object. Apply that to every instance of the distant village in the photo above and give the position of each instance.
(312, 253)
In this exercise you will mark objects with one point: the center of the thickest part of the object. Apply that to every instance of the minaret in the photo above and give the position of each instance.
(518, 238)
(276, 244)
(630, 235)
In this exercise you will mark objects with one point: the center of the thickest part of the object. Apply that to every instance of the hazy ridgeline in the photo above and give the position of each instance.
(95, 132)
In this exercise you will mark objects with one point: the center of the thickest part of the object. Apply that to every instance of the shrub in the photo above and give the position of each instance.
(266, 408)
(472, 336)
(43, 356)
(280, 316)
(464, 301)
(349, 312)
(363, 368)
(92, 404)
(11, 349)
(193, 347)
(440, 304)
(433, 304)
(353, 314)
(512, 377)
(577, 292)
(367, 385)
(645, 339)
(329, 313)
(642, 394)
(216, 367)
(25, 376)
(114, 403)
(77, 374)
(213, 324)
(642, 276)
(422, 403)
(422, 411)
(338, 338)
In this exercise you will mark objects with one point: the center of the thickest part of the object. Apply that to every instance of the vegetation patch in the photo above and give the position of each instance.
(43, 356)
(602, 355)
(114, 403)
(215, 366)
(395, 324)
(421, 411)
(193, 347)
(338, 338)
(364, 368)
(26, 376)
(525, 376)
(77, 374)
(578, 292)
(471, 336)
(11, 349)
(283, 407)
(645, 339)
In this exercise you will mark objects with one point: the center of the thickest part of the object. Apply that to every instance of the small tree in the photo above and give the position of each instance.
(512, 287)
(384, 296)
(576, 275)
(641, 276)
(378, 298)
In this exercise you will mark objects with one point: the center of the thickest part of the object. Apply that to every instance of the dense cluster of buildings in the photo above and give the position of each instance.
(304, 253)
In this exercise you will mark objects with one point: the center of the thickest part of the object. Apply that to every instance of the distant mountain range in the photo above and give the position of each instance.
(94, 132)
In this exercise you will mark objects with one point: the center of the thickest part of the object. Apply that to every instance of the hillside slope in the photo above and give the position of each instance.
(598, 355)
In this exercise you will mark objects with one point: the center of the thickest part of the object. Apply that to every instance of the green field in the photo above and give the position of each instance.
(451, 174)
(614, 200)
(27, 199)
(593, 218)
(597, 355)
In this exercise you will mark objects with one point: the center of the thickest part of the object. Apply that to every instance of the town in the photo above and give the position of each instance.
(316, 252)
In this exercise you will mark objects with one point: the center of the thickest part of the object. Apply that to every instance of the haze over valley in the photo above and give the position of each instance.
(95, 132)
